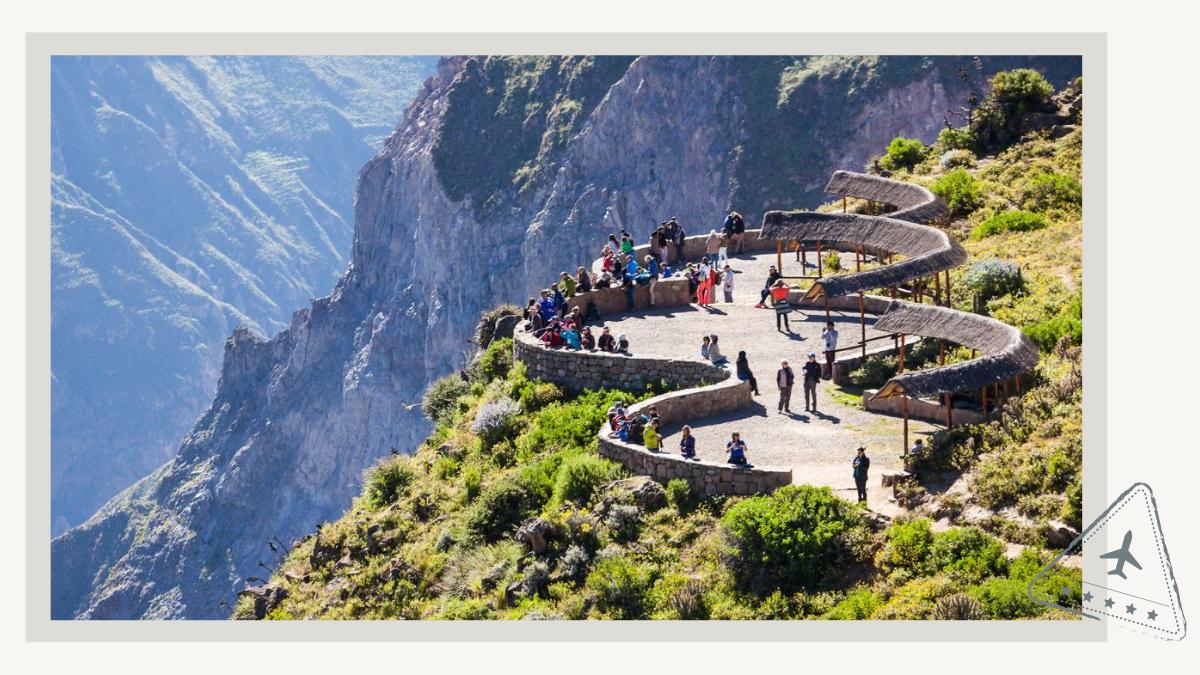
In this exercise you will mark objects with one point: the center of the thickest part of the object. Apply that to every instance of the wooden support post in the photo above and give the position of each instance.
(858, 257)
(820, 261)
(862, 323)
(1006, 390)
(983, 393)
(779, 256)
(905, 425)
(843, 204)
(827, 307)
(902, 352)
(1018, 380)
(948, 401)
(803, 258)
(937, 288)
(949, 300)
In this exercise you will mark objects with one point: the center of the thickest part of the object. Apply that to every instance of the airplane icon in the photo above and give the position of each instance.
(1122, 556)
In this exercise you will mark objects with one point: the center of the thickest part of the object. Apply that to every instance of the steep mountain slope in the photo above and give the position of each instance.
(503, 172)
(189, 196)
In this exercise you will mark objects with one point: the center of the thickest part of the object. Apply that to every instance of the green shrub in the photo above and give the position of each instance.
(1046, 334)
(496, 360)
(875, 371)
(387, 480)
(953, 159)
(907, 546)
(903, 154)
(621, 585)
(1047, 191)
(445, 467)
(916, 599)
(955, 139)
(1009, 221)
(794, 538)
(833, 263)
(960, 191)
(1023, 87)
(968, 554)
(679, 495)
(1014, 94)
(472, 479)
(1072, 508)
(535, 395)
(1006, 599)
(991, 279)
(857, 605)
(440, 402)
(579, 476)
(499, 509)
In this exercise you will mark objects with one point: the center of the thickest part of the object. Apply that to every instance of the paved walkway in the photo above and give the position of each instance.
(819, 447)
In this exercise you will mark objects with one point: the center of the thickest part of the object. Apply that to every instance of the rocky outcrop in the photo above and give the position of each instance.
(458, 213)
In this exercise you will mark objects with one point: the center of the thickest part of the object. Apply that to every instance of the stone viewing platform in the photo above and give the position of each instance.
(785, 445)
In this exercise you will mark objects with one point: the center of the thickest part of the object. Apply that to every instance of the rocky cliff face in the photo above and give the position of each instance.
(503, 172)
(190, 196)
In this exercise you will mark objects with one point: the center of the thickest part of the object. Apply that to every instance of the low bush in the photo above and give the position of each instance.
(1050, 191)
(857, 605)
(959, 607)
(907, 546)
(954, 159)
(387, 480)
(955, 139)
(621, 585)
(968, 554)
(794, 538)
(960, 191)
(1009, 221)
(579, 476)
(496, 360)
(903, 154)
(679, 495)
(1067, 325)
(499, 509)
(991, 279)
(440, 402)
(472, 481)
(496, 421)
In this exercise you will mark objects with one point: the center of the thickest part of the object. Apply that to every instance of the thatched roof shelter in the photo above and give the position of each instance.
(913, 202)
(1004, 351)
(927, 249)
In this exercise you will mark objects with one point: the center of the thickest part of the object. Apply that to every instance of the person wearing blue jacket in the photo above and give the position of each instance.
(546, 306)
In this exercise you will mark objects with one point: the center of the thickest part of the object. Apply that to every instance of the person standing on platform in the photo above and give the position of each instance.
(861, 464)
(812, 375)
(830, 335)
(785, 378)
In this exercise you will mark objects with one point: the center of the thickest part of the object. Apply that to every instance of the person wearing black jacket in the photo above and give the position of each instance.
(745, 374)
(812, 375)
(785, 379)
(861, 464)
(772, 277)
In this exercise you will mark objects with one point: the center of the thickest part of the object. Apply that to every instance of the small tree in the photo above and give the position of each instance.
(904, 154)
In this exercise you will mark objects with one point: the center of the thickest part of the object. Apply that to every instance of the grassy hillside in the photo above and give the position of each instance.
(508, 512)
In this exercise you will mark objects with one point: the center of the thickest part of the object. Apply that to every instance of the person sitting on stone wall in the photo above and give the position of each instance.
(687, 443)
(566, 285)
(736, 448)
(637, 429)
(546, 306)
(772, 276)
(626, 243)
(651, 438)
(560, 302)
(537, 325)
(552, 336)
(605, 280)
(570, 335)
(712, 244)
(583, 280)
(714, 352)
(745, 374)
(705, 347)
(622, 344)
(607, 343)
(587, 339)
(575, 316)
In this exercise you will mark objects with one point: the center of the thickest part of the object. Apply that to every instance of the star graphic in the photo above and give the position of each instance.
(1152, 615)
(1087, 597)
(1130, 609)
(1108, 602)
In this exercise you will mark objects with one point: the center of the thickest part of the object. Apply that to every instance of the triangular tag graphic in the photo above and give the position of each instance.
(1127, 574)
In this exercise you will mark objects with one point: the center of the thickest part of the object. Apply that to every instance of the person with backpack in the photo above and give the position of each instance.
(727, 283)
(779, 300)
(704, 283)
(739, 234)
(812, 375)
